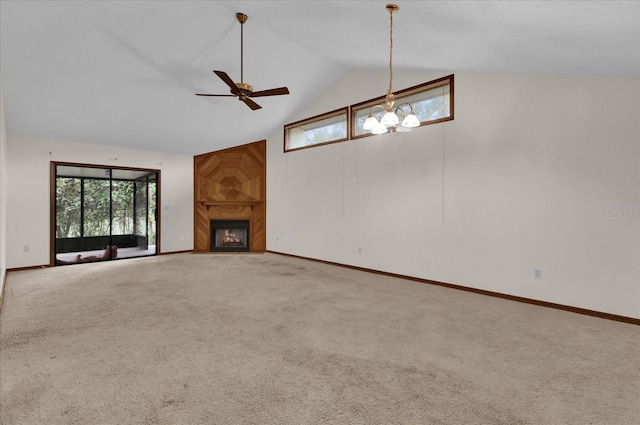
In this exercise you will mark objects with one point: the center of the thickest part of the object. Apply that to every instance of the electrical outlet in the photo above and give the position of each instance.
(359, 250)
(25, 248)
(537, 273)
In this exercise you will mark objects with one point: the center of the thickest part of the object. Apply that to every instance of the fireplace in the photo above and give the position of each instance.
(229, 235)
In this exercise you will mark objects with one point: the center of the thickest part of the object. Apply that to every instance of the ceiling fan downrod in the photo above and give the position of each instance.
(242, 90)
(242, 18)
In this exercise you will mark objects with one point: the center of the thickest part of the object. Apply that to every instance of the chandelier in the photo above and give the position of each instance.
(399, 118)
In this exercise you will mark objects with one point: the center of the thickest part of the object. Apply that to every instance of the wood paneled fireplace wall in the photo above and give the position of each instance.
(231, 185)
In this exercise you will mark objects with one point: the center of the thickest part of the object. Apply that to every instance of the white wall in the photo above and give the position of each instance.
(3, 193)
(28, 182)
(536, 171)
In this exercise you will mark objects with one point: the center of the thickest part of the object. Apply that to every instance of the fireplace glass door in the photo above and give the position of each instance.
(230, 235)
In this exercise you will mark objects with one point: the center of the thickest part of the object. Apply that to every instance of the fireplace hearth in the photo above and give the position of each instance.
(230, 235)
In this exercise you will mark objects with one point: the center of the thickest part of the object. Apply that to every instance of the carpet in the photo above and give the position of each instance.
(270, 339)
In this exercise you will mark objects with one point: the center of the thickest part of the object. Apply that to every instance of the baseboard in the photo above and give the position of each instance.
(176, 252)
(19, 269)
(3, 284)
(578, 310)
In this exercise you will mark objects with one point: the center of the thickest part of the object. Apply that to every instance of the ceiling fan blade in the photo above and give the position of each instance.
(224, 77)
(250, 103)
(242, 90)
(270, 92)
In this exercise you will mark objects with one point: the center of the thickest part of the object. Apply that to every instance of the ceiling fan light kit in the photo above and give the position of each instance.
(242, 90)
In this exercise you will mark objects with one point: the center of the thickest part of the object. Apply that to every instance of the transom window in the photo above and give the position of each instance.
(432, 102)
(322, 129)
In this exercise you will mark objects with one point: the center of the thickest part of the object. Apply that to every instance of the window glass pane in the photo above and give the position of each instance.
(122, 207)
(141, 193)
(431, 102)
(326, 128)
(96, 207)
(89, 172)
(360, 116)
(430, 105)
(152, 212)
(67, 207)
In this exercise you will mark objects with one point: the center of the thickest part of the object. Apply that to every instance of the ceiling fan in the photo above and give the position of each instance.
(242, 90)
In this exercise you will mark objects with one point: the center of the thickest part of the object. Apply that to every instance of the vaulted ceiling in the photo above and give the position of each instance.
(124, 73)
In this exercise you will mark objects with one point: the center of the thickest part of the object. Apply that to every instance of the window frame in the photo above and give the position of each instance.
(398, 95)
(145, 173)
(335, 113)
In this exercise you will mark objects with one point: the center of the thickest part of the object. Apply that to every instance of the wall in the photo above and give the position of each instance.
(3, 195)
(28, 167)
(535, 172)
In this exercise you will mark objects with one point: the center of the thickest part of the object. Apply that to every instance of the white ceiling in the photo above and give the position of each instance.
(124, 73)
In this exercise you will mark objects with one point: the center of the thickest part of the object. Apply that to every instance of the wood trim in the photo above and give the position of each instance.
(52, 200)
(194, 179)
(3, 287)
(106, 167)
(316, 145)
(52, 212)
(403, 93)
(230, 184)
(578, 310)
(186, 251)
(231, 149)
(406, 92)
(158, 212)
(19, 269)
(230, 203)
(320, 117)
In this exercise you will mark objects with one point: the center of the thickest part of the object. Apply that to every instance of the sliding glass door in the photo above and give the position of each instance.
(103, 213)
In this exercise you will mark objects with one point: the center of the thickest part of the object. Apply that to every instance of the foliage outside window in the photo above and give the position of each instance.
(122, 207)
(68, 198)
(94, 195)
(96, 207)
(97, 204)
(432, 102)
(322, 129)
(145, 208)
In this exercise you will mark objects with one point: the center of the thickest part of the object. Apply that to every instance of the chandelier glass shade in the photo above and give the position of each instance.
(399, 118)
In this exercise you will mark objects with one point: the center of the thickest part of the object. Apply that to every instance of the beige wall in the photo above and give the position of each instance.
(536, 171)
(3, 193)
(27, 171)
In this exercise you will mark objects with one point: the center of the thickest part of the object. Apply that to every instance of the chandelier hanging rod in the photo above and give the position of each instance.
(390, 120)
(391, 8)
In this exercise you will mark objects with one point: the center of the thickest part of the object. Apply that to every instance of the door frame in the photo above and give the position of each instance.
(52, 199)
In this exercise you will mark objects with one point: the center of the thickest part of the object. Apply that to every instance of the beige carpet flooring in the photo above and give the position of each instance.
(268, 339)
